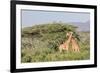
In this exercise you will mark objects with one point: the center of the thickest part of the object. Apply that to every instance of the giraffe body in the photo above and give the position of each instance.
(63, 47)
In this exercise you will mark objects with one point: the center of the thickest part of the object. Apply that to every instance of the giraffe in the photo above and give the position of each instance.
(74, 44)
(65, 45)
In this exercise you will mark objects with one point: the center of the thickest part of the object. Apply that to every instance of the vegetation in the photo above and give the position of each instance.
(40, 43)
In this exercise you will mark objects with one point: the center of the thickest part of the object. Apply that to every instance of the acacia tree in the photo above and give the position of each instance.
(51, 33)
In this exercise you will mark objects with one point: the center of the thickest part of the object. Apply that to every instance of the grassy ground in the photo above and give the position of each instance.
(57, 56)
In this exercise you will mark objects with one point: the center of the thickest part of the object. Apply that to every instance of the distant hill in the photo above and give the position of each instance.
(82, 26)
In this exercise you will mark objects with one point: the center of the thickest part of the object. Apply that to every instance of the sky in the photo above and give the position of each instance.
(33, 17)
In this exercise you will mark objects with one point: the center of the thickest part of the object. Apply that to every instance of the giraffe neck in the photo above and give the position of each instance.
(69, 39)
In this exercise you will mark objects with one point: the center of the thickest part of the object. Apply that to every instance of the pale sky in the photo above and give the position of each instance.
(33, 17)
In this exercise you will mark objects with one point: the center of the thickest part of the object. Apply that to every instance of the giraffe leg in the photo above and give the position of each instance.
(72, 45)
(60, 50)
(66, 48)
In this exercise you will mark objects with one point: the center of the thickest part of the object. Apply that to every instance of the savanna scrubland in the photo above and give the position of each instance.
(39, 43)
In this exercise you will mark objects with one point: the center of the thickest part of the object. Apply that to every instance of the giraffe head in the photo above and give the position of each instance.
(69, 34)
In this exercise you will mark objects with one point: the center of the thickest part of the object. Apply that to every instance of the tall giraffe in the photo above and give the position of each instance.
(65, 45)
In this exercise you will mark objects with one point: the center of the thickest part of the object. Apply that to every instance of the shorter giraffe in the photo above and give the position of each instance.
(63, 47)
